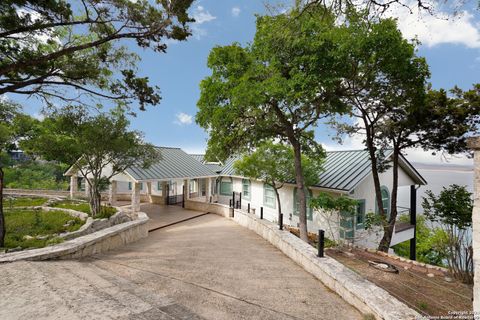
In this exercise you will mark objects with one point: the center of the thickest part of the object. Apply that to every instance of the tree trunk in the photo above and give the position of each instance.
(278, 200)
(301, 190)
(94, 197)
(388, 228)
(2, 218)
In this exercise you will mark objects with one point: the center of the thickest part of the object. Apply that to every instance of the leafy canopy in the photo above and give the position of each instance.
(274, 164)
(66, 49)
(453, 206)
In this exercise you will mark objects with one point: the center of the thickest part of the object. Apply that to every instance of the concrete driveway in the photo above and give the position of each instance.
(206, 267)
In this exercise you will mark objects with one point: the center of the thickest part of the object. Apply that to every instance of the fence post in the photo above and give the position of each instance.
(321, 242)
(240, 204)
(261, 213)
(183, 197)
(248, 207)
(233, 199)
(230, 203)
(280, 221)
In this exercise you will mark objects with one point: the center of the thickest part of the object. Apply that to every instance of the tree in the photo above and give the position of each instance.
(8, 111)
(273, 163)
(452, 210)
(66, 49)
(385, 83)
(98, 146)
(331, 207)
(278, 87)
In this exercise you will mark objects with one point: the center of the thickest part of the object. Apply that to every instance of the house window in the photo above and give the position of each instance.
(385, 201)
(226, 186)
(269, 197)
(159, 185)
(129, 186)
(141, 186)
(246, 188)
(296, 204)
(191, 187)
(360, 215)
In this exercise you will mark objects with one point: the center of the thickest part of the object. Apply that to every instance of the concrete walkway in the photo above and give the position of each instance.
(220, 270)
(161, 215)
(207, 267)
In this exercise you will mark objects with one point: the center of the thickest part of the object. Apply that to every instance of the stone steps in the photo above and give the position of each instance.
(79, 290)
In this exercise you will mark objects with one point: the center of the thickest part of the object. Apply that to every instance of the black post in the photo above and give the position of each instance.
(233, 199)
(230, 204)
(280, 221)
(413, 221)
(210, 199)
(261, 213)
(321, 242)
(240, 205)
(248, 207)
(183, 198)
(168, 194)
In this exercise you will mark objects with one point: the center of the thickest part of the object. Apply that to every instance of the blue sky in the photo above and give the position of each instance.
(452, 49)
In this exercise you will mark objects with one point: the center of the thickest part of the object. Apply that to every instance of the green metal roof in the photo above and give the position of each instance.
(174, 164)
(343, 170)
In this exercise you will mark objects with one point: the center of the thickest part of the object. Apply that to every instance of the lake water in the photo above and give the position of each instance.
(437, 178)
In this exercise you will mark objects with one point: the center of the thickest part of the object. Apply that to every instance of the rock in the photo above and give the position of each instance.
(406, 267)
(27, 237)
(41, 237)
(448, 279)
(430, 275)
(14, 249)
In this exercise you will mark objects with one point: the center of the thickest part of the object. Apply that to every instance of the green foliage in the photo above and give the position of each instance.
(36, 175)
(329, 202)
(65, 49)
(453, 206)
(373, 219)
(90, 143)
(274, 164)
(23, 222)
(430, 248)
(23, 202)
(105, 211)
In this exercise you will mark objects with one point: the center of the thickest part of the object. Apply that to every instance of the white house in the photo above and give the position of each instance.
(346, 172)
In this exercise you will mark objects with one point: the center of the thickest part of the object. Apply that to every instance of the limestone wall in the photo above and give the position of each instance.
(97, 242)
(359, 292)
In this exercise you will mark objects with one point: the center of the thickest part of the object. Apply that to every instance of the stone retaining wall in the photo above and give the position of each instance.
(93, 243)
(359, 292)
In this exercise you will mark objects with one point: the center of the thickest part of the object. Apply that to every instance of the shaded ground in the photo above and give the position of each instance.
(161, 216)
(207, 267)
(220, 270)
(428, 295)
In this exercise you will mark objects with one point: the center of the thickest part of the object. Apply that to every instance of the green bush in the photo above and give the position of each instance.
(22, 222)
(36, 175)
(429, 243)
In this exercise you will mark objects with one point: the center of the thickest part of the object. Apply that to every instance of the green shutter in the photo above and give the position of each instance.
(129, 186)
(159, 185)
(360, 215)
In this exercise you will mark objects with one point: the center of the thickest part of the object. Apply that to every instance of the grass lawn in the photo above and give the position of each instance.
(23, 202)
(106, 212)
(22, 222)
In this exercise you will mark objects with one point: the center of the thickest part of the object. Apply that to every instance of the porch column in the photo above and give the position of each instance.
(186, 189)
(149, 191)
(136, 197)
(87, 188)
(73, 186)
(112, 193)
(164, 191)
(413, 221)
(474, 144)
(208, 189)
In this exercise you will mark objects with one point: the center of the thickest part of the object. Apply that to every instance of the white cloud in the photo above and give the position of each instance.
(441, 28)
(201, 15)
(236, 11)
(183, 119)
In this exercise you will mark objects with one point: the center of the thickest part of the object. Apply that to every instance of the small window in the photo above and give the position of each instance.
(360, 215)
(296, 204)
(226, 187)
(269, 196)
(141, 185)
(129, 186)
(159, 185)
(246, 189)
